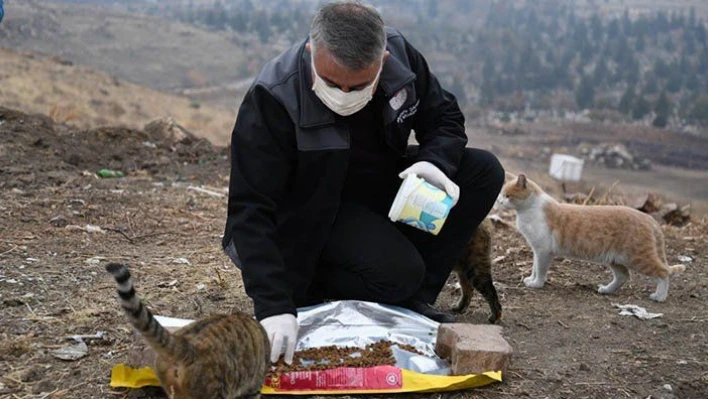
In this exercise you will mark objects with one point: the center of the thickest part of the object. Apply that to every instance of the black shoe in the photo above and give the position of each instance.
(429, 311)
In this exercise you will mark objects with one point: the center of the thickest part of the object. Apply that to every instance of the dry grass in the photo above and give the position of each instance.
(86, 98)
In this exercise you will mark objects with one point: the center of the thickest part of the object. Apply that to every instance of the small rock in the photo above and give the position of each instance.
(682, 362)
(583, 367)
(77, 201)
(58, 221)
(31, 374)
(201, 287)
(12, 302)
(181, 261)
(668, 388)
(95, 260)
(72, 352)
(167, 284)
(44, 386)
(94, 229)
(684, 258)
(498, 259)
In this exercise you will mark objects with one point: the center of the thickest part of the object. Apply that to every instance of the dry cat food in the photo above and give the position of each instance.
(331, 357)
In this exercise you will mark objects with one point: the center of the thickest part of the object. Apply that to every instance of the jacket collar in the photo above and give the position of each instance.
(313, 112)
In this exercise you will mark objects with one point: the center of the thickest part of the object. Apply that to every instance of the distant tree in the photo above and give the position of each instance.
(678, 20)
(613, 30)
(641, 26)
(661, 69)
(701, 35)
(662, 22)
(509, 63)
(260, 23)
(238, 22)
(630, 70)
(651, 86)
(596, 28)
(669, 45)
(699, 110)
(674, 83)
(689, 41)
(621, 50)
(562, 77)
(692, 18)
(571, 18)
(639, 45)
(662, 109)
(532, 22)
(599, 75)
(626, 23)
(660, 121)
(703, 63)
(627, 101)
(693, 83)
(641, 107)
(585, 93)
(685, 65)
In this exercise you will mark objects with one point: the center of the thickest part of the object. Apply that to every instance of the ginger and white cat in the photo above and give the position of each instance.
(618, 236)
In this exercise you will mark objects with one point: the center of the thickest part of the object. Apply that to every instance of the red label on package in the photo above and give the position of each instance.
(341, 379)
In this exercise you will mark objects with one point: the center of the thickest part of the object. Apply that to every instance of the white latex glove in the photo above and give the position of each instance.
(434, 176)
(281, 329)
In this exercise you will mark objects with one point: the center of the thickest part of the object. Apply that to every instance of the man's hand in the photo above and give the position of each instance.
(281, 329)
(434, 176)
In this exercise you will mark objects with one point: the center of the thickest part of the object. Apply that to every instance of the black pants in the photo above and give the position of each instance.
(370, 258)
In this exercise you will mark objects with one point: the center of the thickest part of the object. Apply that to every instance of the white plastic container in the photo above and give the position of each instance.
(566, 167)
(421, 205)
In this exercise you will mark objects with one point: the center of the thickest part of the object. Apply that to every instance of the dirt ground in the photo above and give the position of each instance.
(569, 341)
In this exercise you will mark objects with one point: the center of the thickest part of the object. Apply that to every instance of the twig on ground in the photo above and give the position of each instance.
(587, 199)
(14, 247)
(121, 232)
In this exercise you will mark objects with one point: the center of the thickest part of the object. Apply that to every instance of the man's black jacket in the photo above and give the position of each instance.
(289, 162)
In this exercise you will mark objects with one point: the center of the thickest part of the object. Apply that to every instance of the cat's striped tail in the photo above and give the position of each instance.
(677, 269)
(140, 316)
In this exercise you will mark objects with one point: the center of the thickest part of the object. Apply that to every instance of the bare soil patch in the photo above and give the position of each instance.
(569, 341)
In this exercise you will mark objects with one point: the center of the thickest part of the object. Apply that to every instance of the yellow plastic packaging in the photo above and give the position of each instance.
(123, 376)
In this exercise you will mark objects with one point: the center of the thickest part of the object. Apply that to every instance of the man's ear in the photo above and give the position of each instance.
(385, 56)
(308, 48)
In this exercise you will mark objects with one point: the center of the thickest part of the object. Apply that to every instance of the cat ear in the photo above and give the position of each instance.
(521, 180)
(508, 176)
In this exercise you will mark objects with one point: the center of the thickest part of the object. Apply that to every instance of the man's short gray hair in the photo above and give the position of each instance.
(352, 32)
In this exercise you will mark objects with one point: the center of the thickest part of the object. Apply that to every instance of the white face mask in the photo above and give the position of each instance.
(338, 101)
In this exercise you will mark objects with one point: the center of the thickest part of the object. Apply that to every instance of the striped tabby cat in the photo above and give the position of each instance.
(220, 356)
(474, 271)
